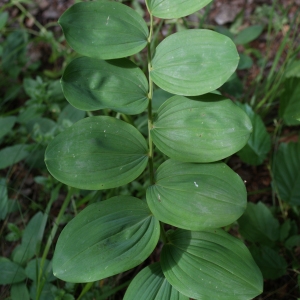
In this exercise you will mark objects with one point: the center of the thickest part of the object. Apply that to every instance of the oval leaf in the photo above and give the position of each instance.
(110, 237)
(91, 84)
(205, 130)
(197, 196)
(210, 264)
(104, 29)
(194, 62)
(248, 34)
(169, 9)
(151, 284)
(97, 153)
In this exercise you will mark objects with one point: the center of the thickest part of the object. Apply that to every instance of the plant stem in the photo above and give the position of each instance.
(150, 96)
(49, 241)
(163, 236)
(30, 16)
(86, 288)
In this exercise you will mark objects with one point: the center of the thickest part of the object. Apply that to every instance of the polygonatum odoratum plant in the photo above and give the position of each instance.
(191, 132)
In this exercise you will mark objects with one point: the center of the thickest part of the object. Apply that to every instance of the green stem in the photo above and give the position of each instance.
(163, 236)
(66, 202)
(86, 288)
(30, 16)
(150, 96)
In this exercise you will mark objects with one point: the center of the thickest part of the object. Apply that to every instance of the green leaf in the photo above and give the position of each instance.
(259, 144)
(110, 237)
(285, 229)
(19, 291)
(193, 62)
(70, 115)
(200, 129)
(29, 113)
(289, 102)
(245, 62)
(6, 124)
(15, 233)
(168, 9)
(12, 155)
(91, 84)
(286, 172)
(159, 97)
(3, 199)
(293, 241)
(151, 284)
(104, 29)
(225, 31)
(14, 53)
(233, 86)
(248, 34)
(40, 126)
(31, 239)
(33, 267)
(258, 225)
(11, 273)
(293, 69)
(271, 264)
(3, 19)
(49, 292)
(97, 153)
(210, 264)
(197, 196)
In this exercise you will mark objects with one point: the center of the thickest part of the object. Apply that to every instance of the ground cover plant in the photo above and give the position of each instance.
(140, 157)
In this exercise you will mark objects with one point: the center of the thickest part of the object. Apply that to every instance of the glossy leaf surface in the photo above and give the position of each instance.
(286, 172)
(104, 29)
(259, 143)
(193, 62)
(205, 129)
(91, 84)
(169, 9)
(106, 238)
(197, 196)
(210, 264)
(97, 153)
(151, 284)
